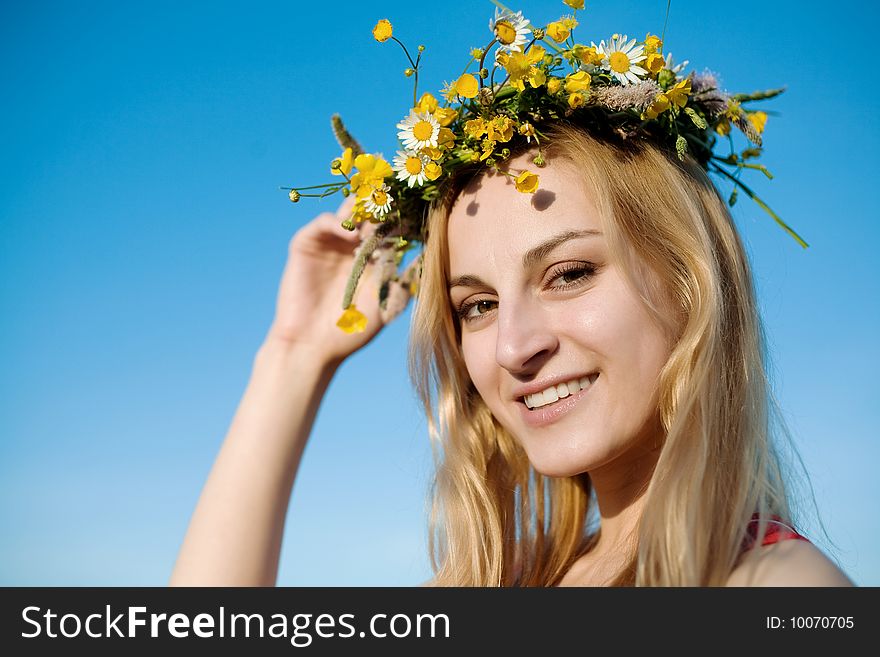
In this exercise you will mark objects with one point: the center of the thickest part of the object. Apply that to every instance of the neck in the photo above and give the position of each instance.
(620, 488)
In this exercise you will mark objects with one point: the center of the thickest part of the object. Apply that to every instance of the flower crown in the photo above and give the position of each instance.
(521, 81)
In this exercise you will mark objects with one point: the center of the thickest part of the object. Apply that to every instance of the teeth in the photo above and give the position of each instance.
(557, 392)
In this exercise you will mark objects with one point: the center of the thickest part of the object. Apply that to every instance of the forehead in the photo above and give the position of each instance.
(491, 219)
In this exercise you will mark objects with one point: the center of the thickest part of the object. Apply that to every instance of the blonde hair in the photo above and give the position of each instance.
(495, 521)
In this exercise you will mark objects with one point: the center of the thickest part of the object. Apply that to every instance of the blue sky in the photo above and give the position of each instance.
(143, 232)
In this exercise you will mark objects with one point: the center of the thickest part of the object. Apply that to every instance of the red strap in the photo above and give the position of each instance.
(777, 531)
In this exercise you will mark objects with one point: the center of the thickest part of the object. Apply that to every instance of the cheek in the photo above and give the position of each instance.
(636, 348)
(479, 359)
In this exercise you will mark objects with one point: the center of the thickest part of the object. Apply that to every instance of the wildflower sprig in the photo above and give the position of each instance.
(619, 89)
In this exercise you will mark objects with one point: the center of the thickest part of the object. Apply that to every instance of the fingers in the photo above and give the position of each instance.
(345, 208)
(329, 224)
(398, 297)
(364, 229)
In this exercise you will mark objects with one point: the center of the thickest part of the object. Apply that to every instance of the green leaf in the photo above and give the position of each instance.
(788, 229)
(698, 120)
(758, 95)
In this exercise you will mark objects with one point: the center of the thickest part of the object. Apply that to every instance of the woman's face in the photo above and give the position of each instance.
(547, 314)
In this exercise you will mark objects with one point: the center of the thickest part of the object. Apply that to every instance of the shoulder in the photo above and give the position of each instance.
(787, 563)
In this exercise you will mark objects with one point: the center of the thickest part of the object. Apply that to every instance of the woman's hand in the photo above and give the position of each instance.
(319, 263)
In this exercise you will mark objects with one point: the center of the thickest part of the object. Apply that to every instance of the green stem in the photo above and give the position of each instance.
(416, 78)
(759, 167)
(329, 192)
(665, 21)
(405, 51)
(482, 59)
(758, 95)
(761, 203)
(325, 185)
(360, 263)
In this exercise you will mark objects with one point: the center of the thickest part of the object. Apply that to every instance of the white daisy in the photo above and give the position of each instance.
(512, 30)
(378, 203)
(418, 130)
(621, 57)
(411, 167)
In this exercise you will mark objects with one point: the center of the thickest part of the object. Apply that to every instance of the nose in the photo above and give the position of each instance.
(525, 337)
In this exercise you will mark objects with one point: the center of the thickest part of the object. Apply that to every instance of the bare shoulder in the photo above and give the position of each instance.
(787, 563)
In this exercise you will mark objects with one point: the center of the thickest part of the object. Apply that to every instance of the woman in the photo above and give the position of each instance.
(637, 288)
(588, 350)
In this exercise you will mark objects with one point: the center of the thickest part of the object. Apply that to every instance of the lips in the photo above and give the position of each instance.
(542, 416)
(553, 393)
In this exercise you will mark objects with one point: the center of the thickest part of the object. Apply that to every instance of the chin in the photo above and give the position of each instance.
(556, 470)
(555, 461)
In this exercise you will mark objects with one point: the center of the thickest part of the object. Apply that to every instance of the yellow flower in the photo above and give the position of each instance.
(382, 31)
(344, 164)
(445, 115)
(568, 22)
(652, 44)
(500, 129)
(733, 113)
(660, 105)
(475, 128)
(575, 4)
(678, 95)
(654, 63)
(588, 54)
(433, 171)
(758, 120)
(558, 32)
(576, 99)
(527, 130)
(433, 153)
(446, 138)
(522, 66)
(371, 165)
(734, 110)
(352, 320)
(527, 182)
(488, 148)
(467, 86)
(360, 213)
(537, 77)
(554, 85)
(579, 81)
(372, 171)
(427, 103)
(448, 91)
(476, 53)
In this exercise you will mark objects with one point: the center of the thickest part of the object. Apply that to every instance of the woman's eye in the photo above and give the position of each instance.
(465, 314)
(572, 274)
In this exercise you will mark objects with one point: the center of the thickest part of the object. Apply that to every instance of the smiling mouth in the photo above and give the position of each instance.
(554, 394)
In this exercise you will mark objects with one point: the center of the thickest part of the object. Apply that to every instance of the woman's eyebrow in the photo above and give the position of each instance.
(468, 280)
(544, 249)
(531, 257)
